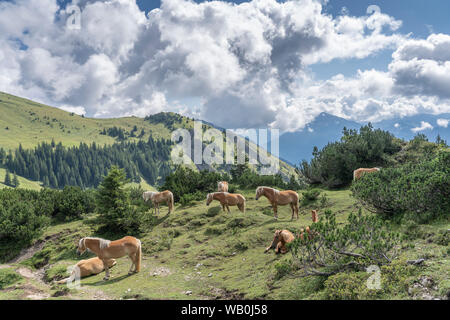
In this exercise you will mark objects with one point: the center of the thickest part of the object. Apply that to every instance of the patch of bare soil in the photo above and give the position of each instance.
(223, 294)
(160, 271)
(37, 246)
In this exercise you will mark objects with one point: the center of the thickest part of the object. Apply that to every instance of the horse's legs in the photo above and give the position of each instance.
(133, 263)
(223, 207)
(274, 206)
(292, 209)
(105, 264)
(228, 208)
(296, 209)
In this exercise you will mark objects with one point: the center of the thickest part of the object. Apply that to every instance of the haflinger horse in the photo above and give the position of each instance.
(280, 239)
(314, 216)
(158, 197)
(359, 172)
(86, 268)
(106, 250)
(281, 198)
(222, 186)
(227, 199)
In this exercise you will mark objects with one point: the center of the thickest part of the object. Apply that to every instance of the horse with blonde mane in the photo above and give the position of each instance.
(359, 172)
(158, 197)
(86, 268)
(222, 186)
(279, 198)
(280, 239)
(227, 199)
(106, 250)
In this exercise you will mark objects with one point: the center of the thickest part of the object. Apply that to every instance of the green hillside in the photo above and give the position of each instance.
(24, 183)
(200, 252)
(28, 124)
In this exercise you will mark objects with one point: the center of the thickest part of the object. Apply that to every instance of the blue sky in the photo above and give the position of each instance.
(266, 64)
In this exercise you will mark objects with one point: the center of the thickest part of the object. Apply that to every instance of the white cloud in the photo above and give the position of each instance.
(423, 126)
(397, 125)
(247, 63)
(442, 122)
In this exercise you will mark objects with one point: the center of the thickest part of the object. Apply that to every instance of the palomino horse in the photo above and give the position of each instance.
(314, 216)
(158, 197)
(87, 267)
(222, 186)
(227, 199)
(280, 239)
(281, 198)
(359, 172)
(106, 250)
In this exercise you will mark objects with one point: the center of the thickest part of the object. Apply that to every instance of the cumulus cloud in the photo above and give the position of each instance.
(246, 65)
(423, 126)
(442, 122)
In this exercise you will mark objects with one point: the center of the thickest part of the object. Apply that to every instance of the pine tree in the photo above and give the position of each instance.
(7, 178)
(16, 182)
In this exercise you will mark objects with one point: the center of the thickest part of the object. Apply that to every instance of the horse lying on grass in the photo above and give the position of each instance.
(280, 239)
(227, 199)
(88, 267)
(158, 197)
(279, 198)
(106, 250)
(357, 174)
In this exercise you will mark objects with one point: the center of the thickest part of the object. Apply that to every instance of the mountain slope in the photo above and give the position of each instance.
(28, 124)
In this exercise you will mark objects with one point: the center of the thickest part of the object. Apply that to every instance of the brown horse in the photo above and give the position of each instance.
(158, 197)
(280, 239)
(314, 216)
(106, 249)
(87, 268)
(227, 199)
(222, 186)
(359, 172)
(281, 198)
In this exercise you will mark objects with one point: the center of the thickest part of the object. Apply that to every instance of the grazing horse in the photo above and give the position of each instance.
(280, 239)
(222, 186)
(106, 249)
(281, 198)
(314, 216)
(158, 197)
(87, 268)
(227, 199)
(359, 172)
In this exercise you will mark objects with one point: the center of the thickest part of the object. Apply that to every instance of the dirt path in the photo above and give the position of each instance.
(35, 288)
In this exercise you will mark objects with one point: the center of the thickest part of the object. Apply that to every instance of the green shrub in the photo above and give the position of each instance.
(417, 191)
(19, 222)
(334, 164)
(190, 198)
(282, 268)
(330, 249)
(310, 196)
(8, 277)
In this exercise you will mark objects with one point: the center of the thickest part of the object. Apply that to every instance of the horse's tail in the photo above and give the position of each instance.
(138, 256)
(69, 279)
(171, 205)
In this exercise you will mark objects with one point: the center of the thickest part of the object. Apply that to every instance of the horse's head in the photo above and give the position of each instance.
(209, 198)
(259, 191)
(81, 247)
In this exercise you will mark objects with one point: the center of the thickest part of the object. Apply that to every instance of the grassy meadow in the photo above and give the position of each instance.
(200, 252)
